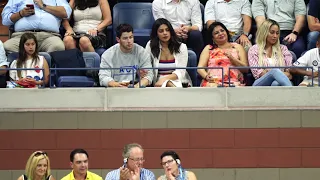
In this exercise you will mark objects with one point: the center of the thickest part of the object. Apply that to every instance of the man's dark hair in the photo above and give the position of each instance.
(123, 28)
(77, 151)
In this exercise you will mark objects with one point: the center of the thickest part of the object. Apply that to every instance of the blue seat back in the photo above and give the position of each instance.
(13, 56)
(92, 59)
(192, 62)
(138, 15)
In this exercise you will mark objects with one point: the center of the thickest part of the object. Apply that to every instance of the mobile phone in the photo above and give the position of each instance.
(125, 161)
(31, 6)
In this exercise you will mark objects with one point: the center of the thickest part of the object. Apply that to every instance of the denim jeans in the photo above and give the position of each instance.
(275, 77)
(312, 39)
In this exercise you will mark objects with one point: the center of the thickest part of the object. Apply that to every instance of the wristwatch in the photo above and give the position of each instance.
(245, 33)
(44, 6)
(295, 32)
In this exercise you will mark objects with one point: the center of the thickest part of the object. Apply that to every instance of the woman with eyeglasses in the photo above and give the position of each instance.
(171, 163)
(38, 167)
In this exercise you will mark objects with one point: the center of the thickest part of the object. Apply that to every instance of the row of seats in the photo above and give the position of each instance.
(92, 60)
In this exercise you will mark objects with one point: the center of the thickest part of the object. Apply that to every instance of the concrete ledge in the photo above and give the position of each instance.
(150, 99)
(205, 174)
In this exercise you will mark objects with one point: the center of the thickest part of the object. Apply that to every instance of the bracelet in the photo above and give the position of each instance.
(20, 14)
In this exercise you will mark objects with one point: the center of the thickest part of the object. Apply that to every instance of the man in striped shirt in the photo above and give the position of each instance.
(132, 165)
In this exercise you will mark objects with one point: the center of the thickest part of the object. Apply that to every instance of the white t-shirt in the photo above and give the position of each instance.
(310, 58)
(229, 13)
(35, 74)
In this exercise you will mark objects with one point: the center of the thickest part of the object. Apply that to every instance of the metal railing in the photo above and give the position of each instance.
(135, 70)
(274, 67)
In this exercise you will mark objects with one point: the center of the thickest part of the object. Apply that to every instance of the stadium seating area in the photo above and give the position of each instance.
(139, 15)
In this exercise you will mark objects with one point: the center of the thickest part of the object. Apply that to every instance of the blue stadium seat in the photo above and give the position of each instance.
(91, 59)
(192, 62)
(13, 56)
(138, 15)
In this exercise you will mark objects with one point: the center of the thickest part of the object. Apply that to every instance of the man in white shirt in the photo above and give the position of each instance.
(234, 14)
(312, 59)
(186, 19)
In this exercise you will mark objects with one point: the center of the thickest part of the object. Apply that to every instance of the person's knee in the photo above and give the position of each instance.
(68, 40)
(313, 36)
(56, 46)
(84, 42)
(275, 83)
(275, 71)
(10, 46)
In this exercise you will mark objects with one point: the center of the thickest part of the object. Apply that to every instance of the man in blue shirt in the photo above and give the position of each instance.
(132, 167)
(39, 17)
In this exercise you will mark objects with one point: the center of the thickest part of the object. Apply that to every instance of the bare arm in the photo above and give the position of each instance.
(209, 23)
(300, 71)
(259, 20)
(106, 14)
(58, 11)
(20, 178)
(65, 22)
(313, 23)
(242, 61)
(46, 71)
(203, 61)
(299, 23)
(191, 176)
(3, 70)
(246, 23)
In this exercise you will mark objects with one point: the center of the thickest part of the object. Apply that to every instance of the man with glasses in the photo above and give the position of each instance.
(132, 166)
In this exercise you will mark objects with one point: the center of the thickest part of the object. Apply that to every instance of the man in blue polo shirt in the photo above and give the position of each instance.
(41, 18)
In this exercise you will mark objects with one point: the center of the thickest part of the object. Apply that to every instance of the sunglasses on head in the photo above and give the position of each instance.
(40, 153)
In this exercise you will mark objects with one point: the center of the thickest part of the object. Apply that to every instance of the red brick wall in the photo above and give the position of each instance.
(198, 148)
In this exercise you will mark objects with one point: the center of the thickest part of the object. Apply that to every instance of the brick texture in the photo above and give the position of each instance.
(198, 148)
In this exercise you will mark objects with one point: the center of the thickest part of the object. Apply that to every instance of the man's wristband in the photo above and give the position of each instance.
(20, 14)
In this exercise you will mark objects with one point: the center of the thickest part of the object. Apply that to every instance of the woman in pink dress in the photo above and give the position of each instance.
(223, 54)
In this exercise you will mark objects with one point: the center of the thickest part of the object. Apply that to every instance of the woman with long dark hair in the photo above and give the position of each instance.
(221, 53)
(29, 58)
(90, 17)
(167, 53)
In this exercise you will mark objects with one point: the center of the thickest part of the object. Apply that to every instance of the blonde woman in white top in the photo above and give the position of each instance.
(90, 17)
(167, 53)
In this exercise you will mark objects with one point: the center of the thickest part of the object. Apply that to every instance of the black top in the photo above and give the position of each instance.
(26, 178)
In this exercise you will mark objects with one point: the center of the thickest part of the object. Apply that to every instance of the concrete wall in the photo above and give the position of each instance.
(102, 99)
